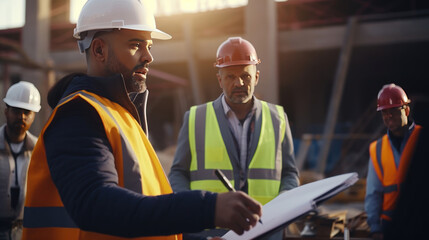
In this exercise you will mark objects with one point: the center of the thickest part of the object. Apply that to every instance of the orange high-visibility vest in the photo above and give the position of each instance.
(384, 164)
(45, 217)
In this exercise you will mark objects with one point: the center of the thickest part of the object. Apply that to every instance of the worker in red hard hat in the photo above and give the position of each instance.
(390, 156)
(248, 139)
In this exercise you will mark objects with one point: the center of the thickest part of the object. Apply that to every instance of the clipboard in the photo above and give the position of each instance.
(291, 205)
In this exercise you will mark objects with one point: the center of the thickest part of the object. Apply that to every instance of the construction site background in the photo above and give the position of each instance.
(322, 60)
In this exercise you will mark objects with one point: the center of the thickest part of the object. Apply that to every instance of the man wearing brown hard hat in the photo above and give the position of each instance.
(248, 139)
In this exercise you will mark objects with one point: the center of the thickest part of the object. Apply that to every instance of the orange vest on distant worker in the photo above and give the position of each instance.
(384, 164)
(45, 217)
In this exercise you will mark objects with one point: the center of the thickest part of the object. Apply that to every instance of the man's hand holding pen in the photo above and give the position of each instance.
(243, 213)
(237, 211)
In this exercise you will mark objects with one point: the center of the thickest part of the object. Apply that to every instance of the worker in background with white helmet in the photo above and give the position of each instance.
(247, 138)
(94, 174)
(390, 157)
(16, 145)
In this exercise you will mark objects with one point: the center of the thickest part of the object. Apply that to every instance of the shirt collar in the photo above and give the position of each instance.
(228, 111)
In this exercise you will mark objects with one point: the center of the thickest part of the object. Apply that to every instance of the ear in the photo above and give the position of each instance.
(219, 79)
(407, 111)
(99, 49)
(257, 77)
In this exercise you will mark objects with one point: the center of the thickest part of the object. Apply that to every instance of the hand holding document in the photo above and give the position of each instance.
(294, 203)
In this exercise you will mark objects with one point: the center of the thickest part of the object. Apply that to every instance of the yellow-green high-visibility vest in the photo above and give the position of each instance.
(209, 152)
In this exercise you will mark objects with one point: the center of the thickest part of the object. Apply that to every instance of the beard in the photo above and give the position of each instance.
(240, 96)
(17, 128)
(132, 83)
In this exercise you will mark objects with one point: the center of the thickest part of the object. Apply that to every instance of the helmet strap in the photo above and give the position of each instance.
(85, 43)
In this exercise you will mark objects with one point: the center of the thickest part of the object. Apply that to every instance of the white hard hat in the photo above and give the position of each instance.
(116, 14)
(23, 95)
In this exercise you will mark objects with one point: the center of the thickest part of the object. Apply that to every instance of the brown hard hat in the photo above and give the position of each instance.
(236, 51)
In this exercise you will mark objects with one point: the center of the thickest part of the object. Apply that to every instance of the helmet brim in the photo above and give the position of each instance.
(155, 33)
(236, 63)
(380, 108)
(21, 105)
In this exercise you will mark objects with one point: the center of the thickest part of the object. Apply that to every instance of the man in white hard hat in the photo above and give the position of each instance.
(94, 174)
(16, 144)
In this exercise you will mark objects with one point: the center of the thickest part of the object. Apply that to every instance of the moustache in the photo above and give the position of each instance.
(239, 90)
(19, 123)
(145, 64)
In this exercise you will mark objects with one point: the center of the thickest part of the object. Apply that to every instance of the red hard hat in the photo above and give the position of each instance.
(236, 51)
(391, 96)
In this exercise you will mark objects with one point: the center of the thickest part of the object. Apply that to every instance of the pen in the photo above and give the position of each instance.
(226, 182)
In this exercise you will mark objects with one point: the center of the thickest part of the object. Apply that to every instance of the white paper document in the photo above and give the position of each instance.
(292, 204)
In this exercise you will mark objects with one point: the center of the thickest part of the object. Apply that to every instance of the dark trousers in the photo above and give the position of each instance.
(9, 228)
(5, 234)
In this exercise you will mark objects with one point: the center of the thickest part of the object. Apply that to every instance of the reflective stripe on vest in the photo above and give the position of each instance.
(390, 176)
(209, 152)
(45, 216)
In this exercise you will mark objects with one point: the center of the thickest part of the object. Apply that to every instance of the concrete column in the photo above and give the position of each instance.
(261, 31)
(4, 86)
(36, 44)
(192, 59)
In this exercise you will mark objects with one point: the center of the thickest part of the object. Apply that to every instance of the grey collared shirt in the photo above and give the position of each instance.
(240, 130)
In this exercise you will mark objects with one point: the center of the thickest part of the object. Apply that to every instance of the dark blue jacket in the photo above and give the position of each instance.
(81, 163)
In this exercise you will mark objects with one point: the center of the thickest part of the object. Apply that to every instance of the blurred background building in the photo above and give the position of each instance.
(323, 60)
